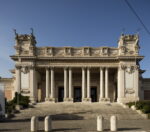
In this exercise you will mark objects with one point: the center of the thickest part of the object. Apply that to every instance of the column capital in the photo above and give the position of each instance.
(101, 67)
(32, 67)
(122, 67)
(89, 67)
(52, 67)
(18, 66)
(70, 68)
(65, 68)
(136, 67)
(83, 67)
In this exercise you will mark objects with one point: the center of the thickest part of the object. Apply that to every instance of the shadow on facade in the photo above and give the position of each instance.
(128, 129)
(64, 116)
(11, 130)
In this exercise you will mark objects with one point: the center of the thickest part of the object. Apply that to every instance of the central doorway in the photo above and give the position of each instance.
(60, 94)
(94, 94)
(77, 94)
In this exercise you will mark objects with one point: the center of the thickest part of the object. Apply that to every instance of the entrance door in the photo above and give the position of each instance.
(77, 94)
(94, 94)
(60, 94)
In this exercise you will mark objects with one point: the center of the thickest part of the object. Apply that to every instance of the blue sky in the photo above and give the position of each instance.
(72, 23)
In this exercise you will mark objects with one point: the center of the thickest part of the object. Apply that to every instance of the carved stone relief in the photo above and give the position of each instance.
(87, 51)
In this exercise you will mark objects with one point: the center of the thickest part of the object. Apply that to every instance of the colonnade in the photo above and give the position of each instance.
(86, 84)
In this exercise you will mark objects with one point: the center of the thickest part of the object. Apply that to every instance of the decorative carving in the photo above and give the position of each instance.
(137, 49)
(136, 67)
(49, 51)
(18, 66)
(25, 69)
(123, 49)
(105, 51)
(129, 91)
(122, 67)
(68, 51)
(18, 49)
(32, 50)
(130, 69)
(87, 51)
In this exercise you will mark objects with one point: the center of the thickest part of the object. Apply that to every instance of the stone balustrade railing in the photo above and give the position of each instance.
(76, 52)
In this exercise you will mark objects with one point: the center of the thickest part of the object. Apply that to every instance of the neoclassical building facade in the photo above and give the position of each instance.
(77, 74)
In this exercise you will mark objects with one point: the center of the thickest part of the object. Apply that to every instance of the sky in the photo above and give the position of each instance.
(72, 23)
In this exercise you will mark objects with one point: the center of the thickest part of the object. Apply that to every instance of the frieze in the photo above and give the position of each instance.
(77, 51)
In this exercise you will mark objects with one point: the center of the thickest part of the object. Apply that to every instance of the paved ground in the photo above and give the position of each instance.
(76, 117)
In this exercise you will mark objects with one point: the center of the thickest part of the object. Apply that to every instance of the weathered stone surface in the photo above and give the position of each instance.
(100, 122)
(113, 123)
(34, 124)
(48, 124)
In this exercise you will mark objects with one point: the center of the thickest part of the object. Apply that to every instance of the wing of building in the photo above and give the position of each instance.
(79, 74)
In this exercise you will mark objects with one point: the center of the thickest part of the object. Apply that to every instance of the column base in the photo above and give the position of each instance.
(46, 99)
(68, 100)
(32, 101)
(86, 100)
(126, 100)
(52, 100)
(104, 100)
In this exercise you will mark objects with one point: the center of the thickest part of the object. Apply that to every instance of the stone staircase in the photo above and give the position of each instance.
(69, 111)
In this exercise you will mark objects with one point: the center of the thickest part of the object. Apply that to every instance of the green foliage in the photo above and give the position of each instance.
(141, 105)
(146, 109)
(130, 104)
(10, 106)
(21, 100)
(17, 100)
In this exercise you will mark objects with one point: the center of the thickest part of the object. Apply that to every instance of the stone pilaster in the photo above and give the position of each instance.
(121, 82)
(136, 82)
(18, 79)
(33, 85)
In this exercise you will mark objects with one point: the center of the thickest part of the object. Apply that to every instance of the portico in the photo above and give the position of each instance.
(84, 83)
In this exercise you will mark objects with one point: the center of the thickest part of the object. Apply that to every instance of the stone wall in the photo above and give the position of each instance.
(145, 89)
(8, 87)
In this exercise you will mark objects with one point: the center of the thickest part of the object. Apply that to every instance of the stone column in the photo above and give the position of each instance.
(70, 85)
(88, 85)
(83, 85)
(52, 99)
(47, 85)
(121, 83)
(106, 84)
(18, 79)
(101, 84)
(65, 84)
(33, 86)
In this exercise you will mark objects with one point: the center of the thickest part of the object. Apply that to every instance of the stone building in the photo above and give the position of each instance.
(78, 74)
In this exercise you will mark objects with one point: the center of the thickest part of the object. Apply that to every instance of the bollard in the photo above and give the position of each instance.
(34, 124)
(113, 123)
(48, 124)
(100, 120)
